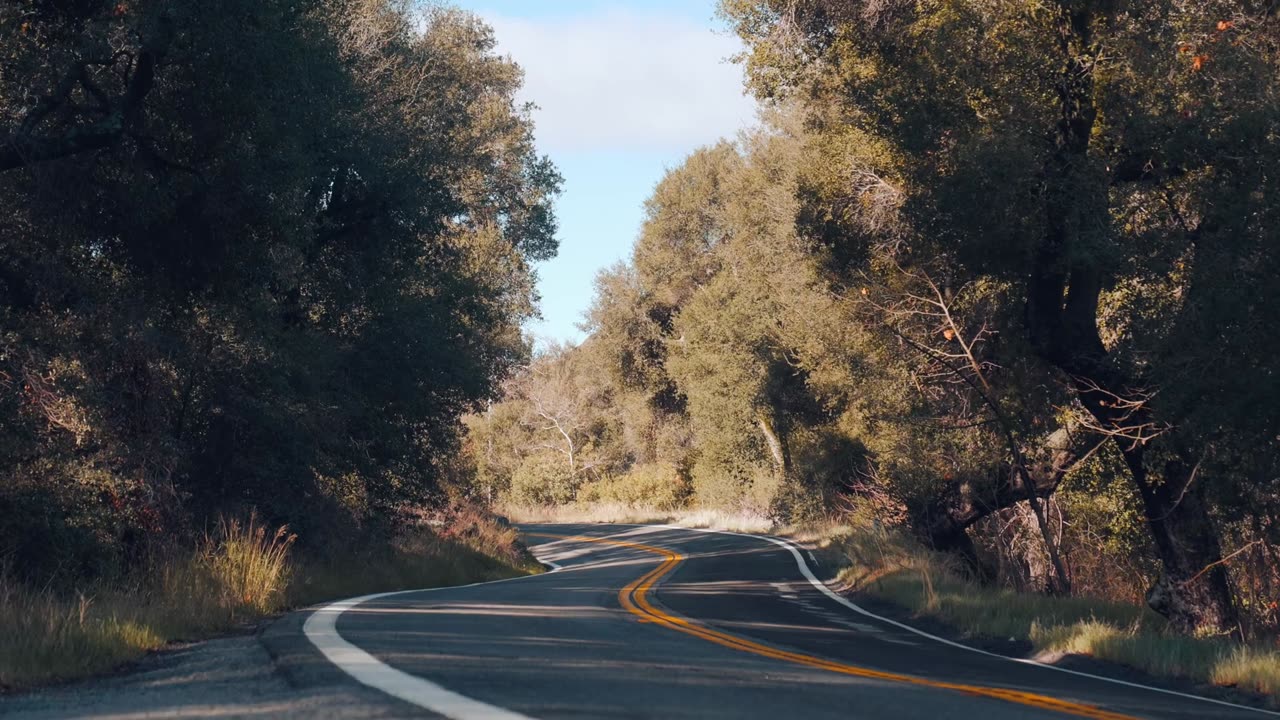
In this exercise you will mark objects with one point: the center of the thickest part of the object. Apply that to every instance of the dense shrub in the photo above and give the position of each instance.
(56, 535)
(543, 479)
(656, 486)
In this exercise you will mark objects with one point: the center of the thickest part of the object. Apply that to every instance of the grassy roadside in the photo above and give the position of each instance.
(240, 574)
(893, 567)
(890, 566)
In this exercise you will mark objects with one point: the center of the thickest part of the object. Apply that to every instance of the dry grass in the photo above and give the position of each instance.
(248, 567)
(628, 514)
(743, 522)
(893, 567)
(240, 574)
(593, 513)
(49, 638)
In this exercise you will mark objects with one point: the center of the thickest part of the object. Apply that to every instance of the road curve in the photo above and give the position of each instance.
(654, 622)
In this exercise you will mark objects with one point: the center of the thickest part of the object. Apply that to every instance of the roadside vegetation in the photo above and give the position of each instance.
(894, 567)
(993, 282)
(619, 513)
(240, 574)
(994, 278)
(257, 258)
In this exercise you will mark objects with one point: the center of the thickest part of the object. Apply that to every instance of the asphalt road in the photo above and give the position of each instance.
(638, 622)
(644, 622)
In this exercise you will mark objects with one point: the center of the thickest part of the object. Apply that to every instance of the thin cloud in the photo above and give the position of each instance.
(618, 80)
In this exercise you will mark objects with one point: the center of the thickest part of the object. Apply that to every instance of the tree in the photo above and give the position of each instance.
(1109, 187)
(259, 254)
(557, 408)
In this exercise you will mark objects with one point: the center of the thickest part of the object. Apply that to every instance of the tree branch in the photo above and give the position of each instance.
(24, 148)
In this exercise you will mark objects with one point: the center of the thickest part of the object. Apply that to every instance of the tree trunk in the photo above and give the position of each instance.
(1063, 291)
(1060, 583)
(1193, 589)
(944, 518)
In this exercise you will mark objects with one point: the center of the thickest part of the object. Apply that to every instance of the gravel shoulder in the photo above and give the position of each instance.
(233, 677)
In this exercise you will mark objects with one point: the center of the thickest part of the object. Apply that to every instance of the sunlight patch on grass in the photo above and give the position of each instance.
(1248, 667)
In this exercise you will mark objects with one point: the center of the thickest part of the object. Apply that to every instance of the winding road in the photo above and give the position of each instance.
(635, 622)
(659, 622)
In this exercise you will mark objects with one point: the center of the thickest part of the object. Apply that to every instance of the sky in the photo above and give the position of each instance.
(626, 89)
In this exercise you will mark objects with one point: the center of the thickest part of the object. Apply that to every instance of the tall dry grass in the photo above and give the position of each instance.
(47, 637)
(249, 566)
(240, 573)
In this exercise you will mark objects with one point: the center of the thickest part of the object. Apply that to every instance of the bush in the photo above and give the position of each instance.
(657, 486)
(738, 486)
(478, 529)
(543, 479)
(67, 529)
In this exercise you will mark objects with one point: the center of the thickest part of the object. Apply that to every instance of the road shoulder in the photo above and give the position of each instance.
(828, 566)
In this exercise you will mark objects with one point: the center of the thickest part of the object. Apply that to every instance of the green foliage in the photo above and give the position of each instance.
(543, 479)
(994, 273)
(294, 252)
(677, 249)
(656, 486)
(1063, 191)
(60, 527)
(828, 463)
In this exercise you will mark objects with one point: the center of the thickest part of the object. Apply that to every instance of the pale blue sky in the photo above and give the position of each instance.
(626, 88)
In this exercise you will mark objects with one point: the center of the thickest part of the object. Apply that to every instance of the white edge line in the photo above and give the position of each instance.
(822, 587)
(321, 628)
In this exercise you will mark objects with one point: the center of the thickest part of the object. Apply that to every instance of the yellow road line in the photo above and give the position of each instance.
(634, 598)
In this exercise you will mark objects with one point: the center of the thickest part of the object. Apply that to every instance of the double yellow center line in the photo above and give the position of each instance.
(634, 598)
